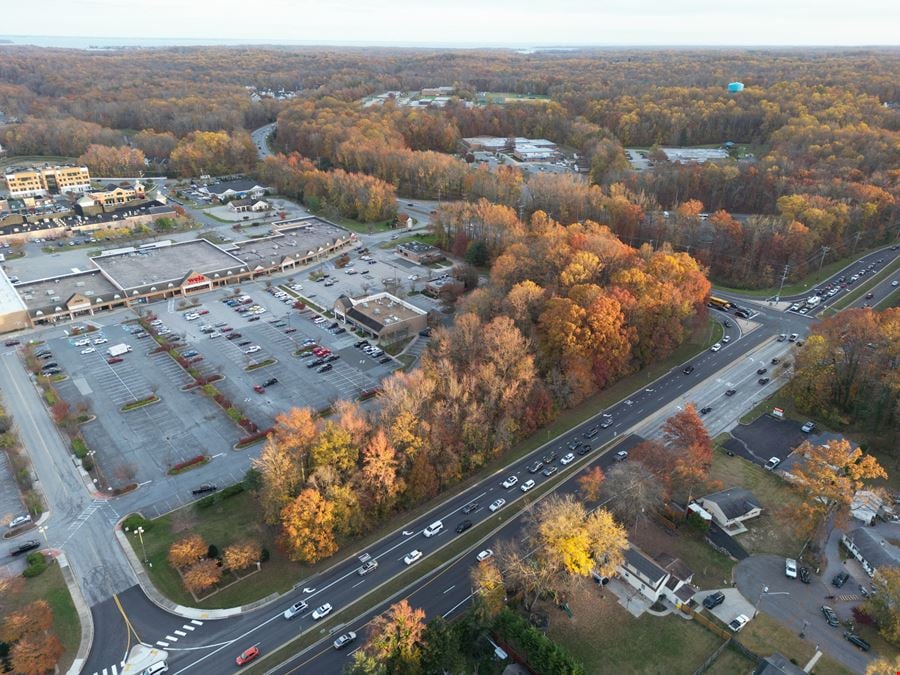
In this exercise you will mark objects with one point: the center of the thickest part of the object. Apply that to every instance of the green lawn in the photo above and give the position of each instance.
(605, 638)
(51, 586)
(731, 661)
(424, 238)
(355, 225)
(804, 284)
(711, 569)
(769, 532)
(764, 636)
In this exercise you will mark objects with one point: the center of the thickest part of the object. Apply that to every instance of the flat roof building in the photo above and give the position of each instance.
(694, 155)
(47, 180)
(13, 312)
(382, 315)
(420, 253)
(235, 189)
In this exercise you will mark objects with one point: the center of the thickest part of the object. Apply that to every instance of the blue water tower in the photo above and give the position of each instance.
(735, 87)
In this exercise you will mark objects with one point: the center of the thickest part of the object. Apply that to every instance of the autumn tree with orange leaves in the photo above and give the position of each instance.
(395, 638)
(187, 551)
(307, 527)
(686, 436)
(591, 483)
(202, 575)
(35, 650)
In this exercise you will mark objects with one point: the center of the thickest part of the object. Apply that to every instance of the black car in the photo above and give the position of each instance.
(854, 639)
(253, 318)
(203, 489)
(361, 344)
(840, 579)
(338, 331)
(316, 363)
(688, 370)
(44, 355)
(425, 332)
(590, 433)
(830, 616)
(24, 547)
(468, 508)
(714, 599)
(762, 371)
(325, 368)
(763, 380)
(804, 575)
(332, 357)
(584, 449)
(334, 324)
(463, 526)
(550, 456)
(776, 361)
(535, 467)
(731, 392)
(270, 382)
(386, 359)
(706, 410)
(244, 343)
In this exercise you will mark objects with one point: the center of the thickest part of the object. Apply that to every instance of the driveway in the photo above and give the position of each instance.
(803, 604)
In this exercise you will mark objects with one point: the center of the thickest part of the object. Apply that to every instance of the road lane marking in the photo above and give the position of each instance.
(449, 589)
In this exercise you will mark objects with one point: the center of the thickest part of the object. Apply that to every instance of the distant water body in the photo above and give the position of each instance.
(100, 43)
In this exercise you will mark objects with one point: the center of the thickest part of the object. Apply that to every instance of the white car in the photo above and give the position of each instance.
(527, 485)
(509, 482)
(772, 463)
(567, 459)
(497, 504)
(790, 568)
(294, 609)
(82, 343)
(484, 555)
(344, 640)
(621, 455)
(716, 347)
(21, 520)
(101, 341)
(322, 612)
(252, 349)
(738, 622)
(412, 556)
(726, 340)
(88, 350)
(191, 316)
(413, 277)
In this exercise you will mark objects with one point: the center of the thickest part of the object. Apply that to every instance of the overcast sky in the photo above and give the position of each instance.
(442, 22)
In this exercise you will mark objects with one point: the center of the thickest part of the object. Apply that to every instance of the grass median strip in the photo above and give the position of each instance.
(391, 590)
(862, 288)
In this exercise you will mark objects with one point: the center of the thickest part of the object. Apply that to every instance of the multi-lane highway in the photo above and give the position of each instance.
(214, 644)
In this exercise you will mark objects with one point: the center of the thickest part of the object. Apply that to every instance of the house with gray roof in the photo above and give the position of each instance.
(731, 507)
(666, 578)
(871, 549)
(235, 189)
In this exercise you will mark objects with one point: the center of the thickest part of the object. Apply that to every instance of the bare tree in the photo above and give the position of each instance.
(635, 493)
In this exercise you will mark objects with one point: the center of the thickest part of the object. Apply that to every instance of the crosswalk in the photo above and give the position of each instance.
(171, 639)
(183, 632)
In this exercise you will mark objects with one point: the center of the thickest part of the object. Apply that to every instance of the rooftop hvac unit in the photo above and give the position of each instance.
(49, 291)
(89, 293)
(79, 283)
(55, 298)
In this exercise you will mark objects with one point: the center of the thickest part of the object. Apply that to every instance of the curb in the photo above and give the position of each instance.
(84, 616)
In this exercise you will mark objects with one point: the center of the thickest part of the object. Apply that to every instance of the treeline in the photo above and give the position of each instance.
(351, 195)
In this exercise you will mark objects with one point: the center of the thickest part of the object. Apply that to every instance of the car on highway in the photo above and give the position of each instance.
(607, 421)
(247, 656)
(763, 380)
(322, 611)
(714, 599)
(527, 485)
(687, 370)
(551, 455)
(368, 566)
(463, 526)
(295, 609)
(772, 463)
(731, 392)
(790, 568)
(621, 455)
(869, 295)
(509, 482)
(738, 622)
(24, 547)
(705, 410)
(568, 458)
(584, 449)
(830, 616)
(203, 489)
(782, 337)
(716, 347)
(775, 361)
(344, 640)
(19, 521)
(535, 466)
(497, 504)
(468, 508)
(549, 471)
(484, 555)
(412, 556)
(762, 371)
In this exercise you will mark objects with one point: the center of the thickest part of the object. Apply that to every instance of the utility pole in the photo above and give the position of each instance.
(784, 274)
(825, 250)
(855, 242)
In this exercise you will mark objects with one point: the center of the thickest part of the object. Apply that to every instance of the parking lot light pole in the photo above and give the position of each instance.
(140, 533)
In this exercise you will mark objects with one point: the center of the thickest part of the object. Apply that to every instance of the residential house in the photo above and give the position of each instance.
(867, 506)
(788, 467)
(776, 664)
(666, 578)
(235, 189)
(730, 508)
(871, 549)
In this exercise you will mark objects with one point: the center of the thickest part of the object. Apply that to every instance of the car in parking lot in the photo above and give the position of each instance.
(714, 599)
(509, 482)
(497, 504)
(831, 616)
(325, 368)
(295, 609)
(82, 343)
(322, 611)
(19, 521)
(412, 556)
(253, 318)
(368, 566)
(527, 485)
(344, 640)
(203, 489)
(484, 555)
(790, 568)
(808, 427)
(88, 350)
(233, 336)
(568, 458)
(100, 341)
(621, 455)
(114, 360)
(252, 349)
(772, 463)
(24, 547)
(840, 579)
(855, 639)
(11, 343)
(804, 575)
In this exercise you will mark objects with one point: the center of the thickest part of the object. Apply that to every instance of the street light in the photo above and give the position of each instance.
(765, 592)
(140, 533)
(43, 530)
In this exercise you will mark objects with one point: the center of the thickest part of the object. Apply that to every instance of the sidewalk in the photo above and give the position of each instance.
(84, 616)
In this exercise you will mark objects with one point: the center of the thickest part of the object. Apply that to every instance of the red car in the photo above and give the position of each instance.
(114, 359)
(226, 329)
(202, 311)
(259, 389)
(247, 656)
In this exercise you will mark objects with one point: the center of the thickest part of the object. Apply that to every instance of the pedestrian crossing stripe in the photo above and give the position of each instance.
(162, 644)
(196, 623)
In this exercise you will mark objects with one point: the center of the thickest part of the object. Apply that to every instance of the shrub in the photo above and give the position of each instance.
(210, 390)
(235, 415)
(134, 521)
(232, 490)
(79, 447)
(87, 463)
(206, 502)
(37, 564)
(212, 551)
(181, 466)
(264, 555)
